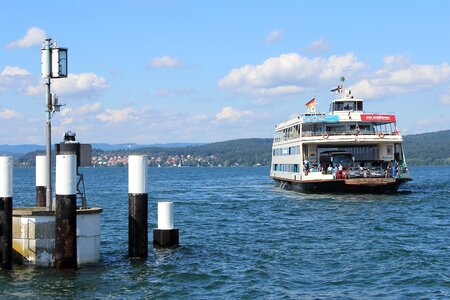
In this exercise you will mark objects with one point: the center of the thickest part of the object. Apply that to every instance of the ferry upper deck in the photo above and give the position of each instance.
(346, 121)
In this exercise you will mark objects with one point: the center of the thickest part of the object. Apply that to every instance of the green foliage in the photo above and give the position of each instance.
(420, 149)
(428, 149)
(242, 152)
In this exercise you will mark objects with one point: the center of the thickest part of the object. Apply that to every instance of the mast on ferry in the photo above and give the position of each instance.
(340, 88)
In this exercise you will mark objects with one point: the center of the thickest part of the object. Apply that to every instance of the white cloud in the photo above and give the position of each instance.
(446, 97)
(279, 90)
(274, 36)
(318, 46)
(289, 73)
(88, 108)
(33, 90)
(165, 61)
(81, 85)
(400, 76)
(34, 36)
(67, 121)
(118, 115)
(82, 110)
(14, 77)
(65, 112)
(230, 114)
(165, 93)
(438, 122)
(84, 84)
(14, 71)
(7, 114)
(197, 118)
(396, 62)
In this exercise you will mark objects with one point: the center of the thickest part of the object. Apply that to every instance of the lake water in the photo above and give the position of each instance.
(243, 238)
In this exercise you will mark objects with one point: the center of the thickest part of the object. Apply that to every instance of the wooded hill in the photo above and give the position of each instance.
(421, 149)
(428, 149)
(242, 152)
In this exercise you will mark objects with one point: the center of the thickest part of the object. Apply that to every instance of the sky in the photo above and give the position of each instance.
(205, 71)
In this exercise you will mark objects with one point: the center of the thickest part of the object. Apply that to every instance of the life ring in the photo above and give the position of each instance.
(325, 135)
(381, 135)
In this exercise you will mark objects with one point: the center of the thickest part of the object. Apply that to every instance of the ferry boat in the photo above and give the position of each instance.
(345, 150)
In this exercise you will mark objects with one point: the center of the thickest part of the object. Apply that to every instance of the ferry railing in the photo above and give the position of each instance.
(334, 133)
(349, 133)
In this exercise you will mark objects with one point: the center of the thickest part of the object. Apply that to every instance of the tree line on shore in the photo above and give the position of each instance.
(426, 149)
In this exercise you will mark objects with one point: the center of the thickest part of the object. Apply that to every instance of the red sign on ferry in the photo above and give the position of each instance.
(377, 118)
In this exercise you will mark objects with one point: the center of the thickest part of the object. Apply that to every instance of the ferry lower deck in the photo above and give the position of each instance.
(353, 185)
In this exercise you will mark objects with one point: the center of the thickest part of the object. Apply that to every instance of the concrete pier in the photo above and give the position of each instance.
(34, 236)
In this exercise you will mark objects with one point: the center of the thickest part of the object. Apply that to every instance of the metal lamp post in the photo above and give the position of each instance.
(54, 65)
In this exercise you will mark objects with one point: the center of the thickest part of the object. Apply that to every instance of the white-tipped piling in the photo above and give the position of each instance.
(137, 206)
(165, 215)
(41, 181)
(6, 195)
(66, 212)
(165, 235)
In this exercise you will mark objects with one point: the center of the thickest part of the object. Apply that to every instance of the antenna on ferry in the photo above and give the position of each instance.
(341, 86)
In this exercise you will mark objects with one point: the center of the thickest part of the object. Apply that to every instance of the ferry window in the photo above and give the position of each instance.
(359, 105)
(349, 106)
(389, 149)
(365, 128)
(294, 150)
(335, 128)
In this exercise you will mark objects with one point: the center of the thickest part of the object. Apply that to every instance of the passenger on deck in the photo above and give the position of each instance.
(306, 167)
(395, 169)
(339, 173)
(389, 171)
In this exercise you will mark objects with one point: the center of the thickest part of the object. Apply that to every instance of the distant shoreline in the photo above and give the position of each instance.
(421, 150)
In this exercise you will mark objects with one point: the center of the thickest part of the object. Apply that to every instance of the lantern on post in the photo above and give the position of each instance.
(59, 62)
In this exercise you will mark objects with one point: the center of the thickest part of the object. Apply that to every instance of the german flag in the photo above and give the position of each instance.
(311, 102)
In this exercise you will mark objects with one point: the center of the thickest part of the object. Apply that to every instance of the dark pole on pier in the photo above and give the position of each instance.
(6, 194)
(66, 212)
(46, 57)
(137, 206)
(53, 65)
(41, 185)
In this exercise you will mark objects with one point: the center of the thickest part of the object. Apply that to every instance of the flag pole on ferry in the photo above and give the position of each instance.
(311, 104)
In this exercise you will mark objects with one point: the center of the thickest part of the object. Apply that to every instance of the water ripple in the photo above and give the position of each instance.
(242, 237)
